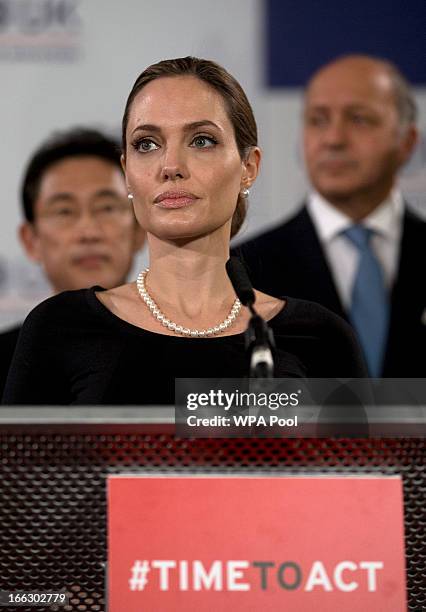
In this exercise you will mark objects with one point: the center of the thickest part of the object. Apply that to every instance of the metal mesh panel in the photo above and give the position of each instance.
(53, 507)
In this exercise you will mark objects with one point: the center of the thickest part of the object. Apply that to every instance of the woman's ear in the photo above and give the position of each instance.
(251, 165)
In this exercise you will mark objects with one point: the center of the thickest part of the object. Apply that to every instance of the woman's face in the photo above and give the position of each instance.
(182, 163)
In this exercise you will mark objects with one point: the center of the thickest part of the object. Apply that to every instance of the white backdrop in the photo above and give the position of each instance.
(107, 44)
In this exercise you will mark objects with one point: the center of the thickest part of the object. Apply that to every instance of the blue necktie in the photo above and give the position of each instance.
(369, 310)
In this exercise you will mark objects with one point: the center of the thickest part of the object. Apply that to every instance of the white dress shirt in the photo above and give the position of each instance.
(342, 255)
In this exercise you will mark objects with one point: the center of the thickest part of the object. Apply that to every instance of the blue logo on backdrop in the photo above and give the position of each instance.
(36, 17)
(302, 36)
(39, 30)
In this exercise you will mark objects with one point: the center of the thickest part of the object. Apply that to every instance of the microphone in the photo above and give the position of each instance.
(240, 281)
(259, 336)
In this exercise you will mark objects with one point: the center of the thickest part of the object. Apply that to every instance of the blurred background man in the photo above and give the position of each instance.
(79, 224)
(355, 247)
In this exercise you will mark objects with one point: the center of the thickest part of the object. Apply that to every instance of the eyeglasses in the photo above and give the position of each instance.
(104, 213)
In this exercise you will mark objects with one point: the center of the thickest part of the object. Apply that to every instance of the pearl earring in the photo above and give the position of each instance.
(245, 192)
(130, 196)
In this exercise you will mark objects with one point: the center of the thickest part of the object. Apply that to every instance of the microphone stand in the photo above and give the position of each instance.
(259, 338)
(259, 341)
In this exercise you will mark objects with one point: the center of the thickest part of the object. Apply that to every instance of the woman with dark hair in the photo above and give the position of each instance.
(190, 156)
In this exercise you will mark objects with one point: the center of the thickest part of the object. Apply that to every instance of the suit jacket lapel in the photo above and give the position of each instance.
(314, 266)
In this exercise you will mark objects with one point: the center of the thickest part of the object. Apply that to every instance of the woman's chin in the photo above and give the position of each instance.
(187, 232)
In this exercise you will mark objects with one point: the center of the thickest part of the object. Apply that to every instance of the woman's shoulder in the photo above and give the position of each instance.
(328, 340)
(305, 309)
(299, 314)
(288, 312)
(62, 308)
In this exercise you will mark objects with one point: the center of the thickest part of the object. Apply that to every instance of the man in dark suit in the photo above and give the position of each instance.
(79, 225)
(355, 247)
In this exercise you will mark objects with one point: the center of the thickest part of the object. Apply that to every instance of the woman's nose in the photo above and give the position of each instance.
(174, 165)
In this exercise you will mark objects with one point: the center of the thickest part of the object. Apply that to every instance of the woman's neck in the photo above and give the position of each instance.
(191, 277)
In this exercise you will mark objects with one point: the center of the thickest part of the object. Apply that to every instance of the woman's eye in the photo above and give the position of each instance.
(203, 142)
(145, 145)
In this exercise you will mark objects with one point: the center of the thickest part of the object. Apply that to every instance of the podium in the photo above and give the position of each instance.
(54, 464)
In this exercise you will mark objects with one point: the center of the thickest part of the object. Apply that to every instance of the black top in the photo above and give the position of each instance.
(8, 340)
(73, 350)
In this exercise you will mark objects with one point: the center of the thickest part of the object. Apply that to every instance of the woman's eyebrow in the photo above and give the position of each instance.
(150, 127)
(202, 123)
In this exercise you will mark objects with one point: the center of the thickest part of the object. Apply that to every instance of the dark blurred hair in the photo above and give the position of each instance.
(69, 143)
(237, 106)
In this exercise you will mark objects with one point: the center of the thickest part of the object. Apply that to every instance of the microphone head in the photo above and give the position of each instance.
(240, 281)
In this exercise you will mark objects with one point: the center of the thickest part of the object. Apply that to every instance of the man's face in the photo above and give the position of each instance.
(353, 140)
(84, 232)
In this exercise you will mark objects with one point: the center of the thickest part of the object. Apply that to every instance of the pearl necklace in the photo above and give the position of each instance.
(179, 329)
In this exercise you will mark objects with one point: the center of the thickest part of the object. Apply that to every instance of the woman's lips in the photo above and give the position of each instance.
(174, 199)
(175, 202)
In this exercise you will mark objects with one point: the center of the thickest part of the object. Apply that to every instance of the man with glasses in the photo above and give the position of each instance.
(79, 224)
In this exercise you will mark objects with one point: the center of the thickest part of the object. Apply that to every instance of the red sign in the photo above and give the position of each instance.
(270, 543)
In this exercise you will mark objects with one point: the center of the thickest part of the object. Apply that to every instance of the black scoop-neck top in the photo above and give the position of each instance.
(73, 350)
